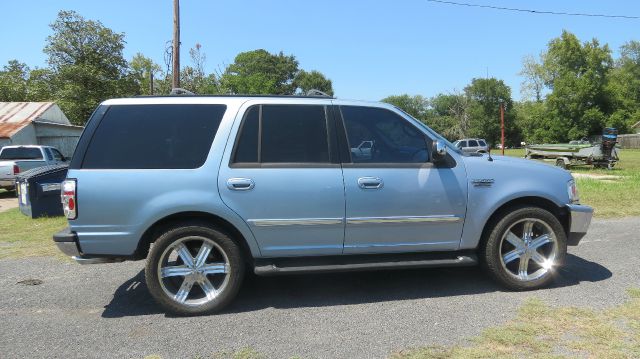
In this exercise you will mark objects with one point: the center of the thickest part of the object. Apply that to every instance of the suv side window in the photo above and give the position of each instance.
(177, 136)
(57, 155)
(389, 137)
(482, 143)
(463, 144)
(473, 143)
(283, 134)
(47, 153)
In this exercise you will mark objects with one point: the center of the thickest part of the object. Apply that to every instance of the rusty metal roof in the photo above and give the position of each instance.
(14, 116)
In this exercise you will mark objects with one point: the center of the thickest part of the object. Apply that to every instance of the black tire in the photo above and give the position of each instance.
(560, 163)
(491, 252)
(221, 241)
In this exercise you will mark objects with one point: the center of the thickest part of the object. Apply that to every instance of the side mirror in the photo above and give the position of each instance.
(438, 151)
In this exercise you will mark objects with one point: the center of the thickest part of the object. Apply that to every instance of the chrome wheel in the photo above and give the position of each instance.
(193, 271)
(528, 249)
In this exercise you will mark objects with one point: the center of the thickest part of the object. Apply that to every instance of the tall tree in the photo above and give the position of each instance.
(624, 85)
(259, 72)
(416, 106)
(576, 74)
(87, 64)
(486, 96)
(142, 69)
(313, 80)
(194, 78)
(534, 78)
(13, 81)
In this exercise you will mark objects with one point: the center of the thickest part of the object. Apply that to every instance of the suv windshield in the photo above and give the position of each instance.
(20, 153)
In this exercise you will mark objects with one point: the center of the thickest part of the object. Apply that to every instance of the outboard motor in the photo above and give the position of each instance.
(609, 140)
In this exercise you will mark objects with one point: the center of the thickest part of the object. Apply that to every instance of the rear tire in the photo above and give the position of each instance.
(194, 269)
(523, 248)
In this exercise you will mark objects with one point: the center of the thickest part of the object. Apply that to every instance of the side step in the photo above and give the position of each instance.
(349, 263)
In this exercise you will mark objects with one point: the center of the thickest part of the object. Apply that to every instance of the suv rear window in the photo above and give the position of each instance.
(153, 137)
(21, 153)
(283, 134)
(482, 143)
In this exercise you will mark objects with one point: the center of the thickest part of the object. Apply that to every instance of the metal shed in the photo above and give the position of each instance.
(37, 123)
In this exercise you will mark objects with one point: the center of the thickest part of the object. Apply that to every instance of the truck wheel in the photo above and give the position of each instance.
(194, 269)
(560, 163)
(523, 248)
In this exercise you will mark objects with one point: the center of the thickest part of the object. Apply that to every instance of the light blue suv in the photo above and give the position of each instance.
(207, 187)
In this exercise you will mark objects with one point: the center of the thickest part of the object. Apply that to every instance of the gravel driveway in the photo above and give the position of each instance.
(106, 311)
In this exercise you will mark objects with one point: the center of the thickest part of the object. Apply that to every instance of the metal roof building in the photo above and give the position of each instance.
(37, 123)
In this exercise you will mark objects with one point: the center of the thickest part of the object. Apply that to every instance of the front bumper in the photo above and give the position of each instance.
(67, 242)
(580, 219)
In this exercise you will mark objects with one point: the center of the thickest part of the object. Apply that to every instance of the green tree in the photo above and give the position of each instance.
(40, 85)
(416, 106)
(88, 67)
(259, 72)
(577, 75)
(624, 86)
(13, 81)
(305, 81)
(194, 78)
(486, 96)
(141, 69)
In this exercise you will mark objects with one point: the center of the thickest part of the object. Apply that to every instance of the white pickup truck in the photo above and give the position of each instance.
(16, 159)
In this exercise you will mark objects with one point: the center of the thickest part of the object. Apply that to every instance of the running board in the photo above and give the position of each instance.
(358, 264)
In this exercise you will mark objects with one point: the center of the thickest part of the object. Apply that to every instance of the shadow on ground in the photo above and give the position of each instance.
(7, 194)
(132, 298)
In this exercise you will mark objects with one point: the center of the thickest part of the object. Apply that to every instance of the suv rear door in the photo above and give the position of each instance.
(282, 175)
(397, 200)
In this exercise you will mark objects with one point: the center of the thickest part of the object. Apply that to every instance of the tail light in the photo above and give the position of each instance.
(69, 202)
(16, 169)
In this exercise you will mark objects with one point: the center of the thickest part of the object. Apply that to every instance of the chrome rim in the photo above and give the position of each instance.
(193, 271)
(528, 249)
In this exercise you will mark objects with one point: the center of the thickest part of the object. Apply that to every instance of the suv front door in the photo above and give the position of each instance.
(397, 200)
(283, 177)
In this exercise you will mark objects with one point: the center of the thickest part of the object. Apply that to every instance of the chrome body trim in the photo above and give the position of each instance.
(49, 187)
(295, 222)
(81, 260)
(375, 245)
(403, 219)
(580, 218)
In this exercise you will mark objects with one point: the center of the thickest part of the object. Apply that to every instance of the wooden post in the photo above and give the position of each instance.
(176, 43)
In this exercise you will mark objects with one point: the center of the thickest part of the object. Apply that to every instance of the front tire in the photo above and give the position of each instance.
(194, 269)
(524, 247)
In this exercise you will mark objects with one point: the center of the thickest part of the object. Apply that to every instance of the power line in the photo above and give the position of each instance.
(533, 11)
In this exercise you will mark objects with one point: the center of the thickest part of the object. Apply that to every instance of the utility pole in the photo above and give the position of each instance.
(176, 43)
(502, 124)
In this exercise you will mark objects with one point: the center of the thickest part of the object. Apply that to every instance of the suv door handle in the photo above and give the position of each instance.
(240, 184)
(370, 182)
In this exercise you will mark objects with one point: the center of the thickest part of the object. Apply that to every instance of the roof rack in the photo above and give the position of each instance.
(180, 91)
(317, 93)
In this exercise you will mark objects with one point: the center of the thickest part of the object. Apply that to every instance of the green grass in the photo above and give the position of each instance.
(541, 331)
(21, 236)
(611, 198)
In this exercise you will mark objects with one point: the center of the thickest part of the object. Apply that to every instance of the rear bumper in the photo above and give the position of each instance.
(67, 243)
(580, 219)
(7, 183)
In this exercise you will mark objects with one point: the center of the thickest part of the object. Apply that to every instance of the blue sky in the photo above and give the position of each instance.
(370, 49)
